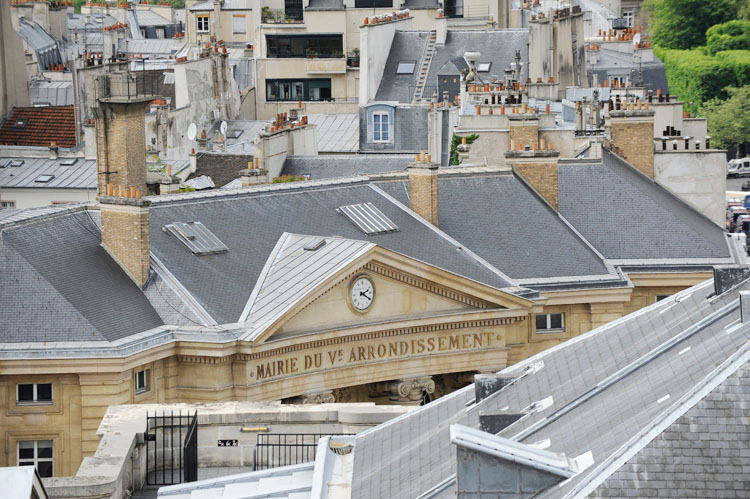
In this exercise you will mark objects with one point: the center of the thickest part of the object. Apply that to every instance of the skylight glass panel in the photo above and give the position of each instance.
(368, 218)
(483, 67)
(405, 67)
(234, 134)
(43, 179)
(16, 163)
(69, 162)
(198, 239)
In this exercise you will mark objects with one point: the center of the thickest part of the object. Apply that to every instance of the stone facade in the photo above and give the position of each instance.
(423, 190)
(120, 146)
(125, 235)
(632, 136)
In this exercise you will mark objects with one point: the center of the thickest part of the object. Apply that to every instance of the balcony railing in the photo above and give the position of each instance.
(281, 16)
(130, 85)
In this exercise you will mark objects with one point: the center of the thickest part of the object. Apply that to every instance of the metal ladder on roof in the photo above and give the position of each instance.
(429, 52)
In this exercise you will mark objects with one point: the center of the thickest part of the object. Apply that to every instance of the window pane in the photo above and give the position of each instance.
(26, 449)
(44, 448)
(44, 469)
(556, 321)
(44, 392)
(405, 67)
(541, 322)
(25, 393)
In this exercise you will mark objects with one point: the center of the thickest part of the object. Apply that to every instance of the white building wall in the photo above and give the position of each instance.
(34, 198)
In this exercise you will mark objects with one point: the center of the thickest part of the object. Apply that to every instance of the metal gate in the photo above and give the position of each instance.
(171, 448)
(282, 449)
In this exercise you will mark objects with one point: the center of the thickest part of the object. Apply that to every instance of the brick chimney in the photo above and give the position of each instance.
(631, 133)
(538, 167)
(125, 232)
(423, 187)
(120, 132)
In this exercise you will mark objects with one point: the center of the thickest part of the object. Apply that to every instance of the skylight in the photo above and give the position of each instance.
(20, 123)
(198, 239)
(405, 67)
(16, 163)
(43, 179)
(368, 218)
(483, 67)
(234, 134)
(69, 162)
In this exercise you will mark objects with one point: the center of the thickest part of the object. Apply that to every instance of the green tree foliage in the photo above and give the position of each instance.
(455, 141)
(682, 24)
(697, 77)
(734, 35)
(729, 120)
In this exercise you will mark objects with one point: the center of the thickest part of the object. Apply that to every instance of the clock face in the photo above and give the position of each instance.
(362, 293)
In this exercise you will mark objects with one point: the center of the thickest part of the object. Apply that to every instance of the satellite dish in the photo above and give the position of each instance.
(223, 127)
(192, 131)
(636, 40)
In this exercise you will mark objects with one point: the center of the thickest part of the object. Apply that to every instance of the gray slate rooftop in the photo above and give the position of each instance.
(322, 167)
(622, 380)
(627, 216)
(497, 47)
(502, 221)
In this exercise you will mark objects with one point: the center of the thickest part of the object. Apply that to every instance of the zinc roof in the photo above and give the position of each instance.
(81, 175)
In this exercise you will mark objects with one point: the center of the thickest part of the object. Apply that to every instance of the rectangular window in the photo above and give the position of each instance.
(405, 67)
(33, 393)
(628, 16)
(7, 204)
(37, 453)
(370, 4)
(239, 25)
(660, 297)
(484, 67)
(202, 23)
(547, 323)
(303, 46)
(143, 381)
(311, 89)
(380, 127)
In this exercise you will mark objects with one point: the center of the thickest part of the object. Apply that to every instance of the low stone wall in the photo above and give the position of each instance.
(119, 464)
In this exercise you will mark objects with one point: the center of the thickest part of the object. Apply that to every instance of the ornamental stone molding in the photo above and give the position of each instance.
(408, 390)
(325, 397)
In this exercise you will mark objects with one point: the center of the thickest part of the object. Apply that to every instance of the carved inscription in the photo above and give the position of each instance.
(372, 351)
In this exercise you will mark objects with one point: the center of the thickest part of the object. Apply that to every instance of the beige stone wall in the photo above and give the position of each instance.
(634, 141)
(121, 146)
(525, 134)
(542, 177)
(645, 296)
(423, 193)
(125, 235)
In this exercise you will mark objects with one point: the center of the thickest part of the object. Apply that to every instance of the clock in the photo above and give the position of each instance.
(362, 293)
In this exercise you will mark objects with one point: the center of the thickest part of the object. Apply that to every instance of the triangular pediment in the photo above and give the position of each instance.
(306, 286)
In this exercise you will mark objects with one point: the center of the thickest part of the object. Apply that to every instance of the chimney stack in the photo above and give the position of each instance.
(125, 231)
(423, 187)
(632, 133)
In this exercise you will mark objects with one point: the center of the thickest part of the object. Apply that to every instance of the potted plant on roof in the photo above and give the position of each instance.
(311, 54)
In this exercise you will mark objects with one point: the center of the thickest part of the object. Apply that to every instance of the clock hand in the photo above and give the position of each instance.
(363, 293)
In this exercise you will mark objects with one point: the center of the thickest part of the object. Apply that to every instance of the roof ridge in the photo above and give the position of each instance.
(32, 215)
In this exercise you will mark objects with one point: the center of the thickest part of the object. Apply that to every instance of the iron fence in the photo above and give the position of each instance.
(171, 448)
(428, 92)
(133, 84)
(283, 449)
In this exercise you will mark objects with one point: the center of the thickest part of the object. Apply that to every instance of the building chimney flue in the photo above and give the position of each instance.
(423, 187)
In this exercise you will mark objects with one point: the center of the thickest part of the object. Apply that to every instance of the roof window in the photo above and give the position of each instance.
(368, 218)
(234, 134)
(20, 123)
(483, 67)
(198, 239)
(405, 67)
(69, 162)
(44, 179)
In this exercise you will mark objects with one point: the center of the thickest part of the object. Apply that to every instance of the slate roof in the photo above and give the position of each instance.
(45, 125)
(497, 47)
(612, 62)
(42, 266)
(627, 216)
(150, 18)
(505, 223)
(321, 167)
(625, 381)
(250, 223)
(81, 175)
(291, 272)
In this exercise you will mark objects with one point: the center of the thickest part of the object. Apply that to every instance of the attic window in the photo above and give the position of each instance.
(483, 67)
(43, 179)
(234, 134)
(368, 218)
(198, 239)
(16, 163)
(405, 67)
(69, 162)
(20, 123)
(169, 77)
